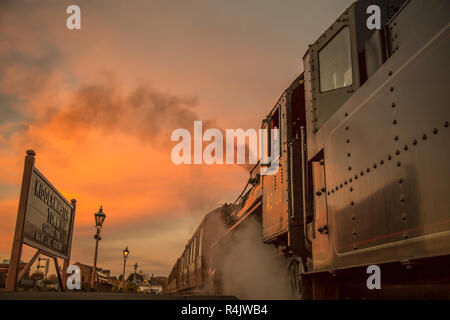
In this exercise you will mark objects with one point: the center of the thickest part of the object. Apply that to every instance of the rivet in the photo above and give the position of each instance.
(446, 124)
(352, 203)
(400, 180)
(351, 188)
(392, 89)
(348, 140)
(393, 105)
(396, 138)
(405, 236)
(389, 157)
(328, 192)
(356, 177)
(403, 217)
(414, 142)
(361, 173)
(332, 190)
(347, 127)
(346, 114)
(374, 165)
(355, 247)
(350, 180)
(337, 188)
(390, 73)
(424, 137)
(348, 154)
(405, 147)
(399, 164)
(435, 131)
(368, 170)
(395, 121)
(381, 162)
(345, 182)
(402, 199)
(340, 185)
(349, 168)
(397, 152)
(354, 232)
(353, 217)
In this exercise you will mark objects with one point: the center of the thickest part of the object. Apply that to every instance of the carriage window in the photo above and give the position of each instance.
(335, 63)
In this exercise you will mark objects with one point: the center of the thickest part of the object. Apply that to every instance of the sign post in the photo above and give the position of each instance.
(73, 202)
(44, 221)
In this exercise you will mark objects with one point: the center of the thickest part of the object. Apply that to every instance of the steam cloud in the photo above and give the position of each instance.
(249, 268)
(142, 112)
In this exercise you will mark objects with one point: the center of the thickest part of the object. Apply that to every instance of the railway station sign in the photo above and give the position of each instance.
(44, 221)
(48, 218)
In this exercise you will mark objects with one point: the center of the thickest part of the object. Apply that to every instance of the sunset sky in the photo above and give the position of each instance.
(98, 105)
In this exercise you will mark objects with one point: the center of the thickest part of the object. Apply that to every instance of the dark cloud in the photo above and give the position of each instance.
(142, 112)
(8, 114)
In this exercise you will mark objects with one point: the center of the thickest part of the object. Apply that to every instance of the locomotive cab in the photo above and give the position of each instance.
(283, 223)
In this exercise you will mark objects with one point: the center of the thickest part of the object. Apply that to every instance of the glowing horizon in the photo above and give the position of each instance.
(98, 106)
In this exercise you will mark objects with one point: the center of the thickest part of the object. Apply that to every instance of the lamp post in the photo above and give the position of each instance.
(125, 254)
(135, 269)
(99, 218)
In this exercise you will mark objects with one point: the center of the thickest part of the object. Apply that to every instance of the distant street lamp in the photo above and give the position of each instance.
(125, 254)
(135, 269)
(99, 218)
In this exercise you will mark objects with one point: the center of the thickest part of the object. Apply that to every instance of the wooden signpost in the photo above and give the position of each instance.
(44, 221)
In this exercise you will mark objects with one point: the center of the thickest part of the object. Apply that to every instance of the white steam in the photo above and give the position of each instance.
(250, 269)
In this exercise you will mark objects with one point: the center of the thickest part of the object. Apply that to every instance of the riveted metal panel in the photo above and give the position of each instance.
(360, 151)
(275, 208)
(321, 244)
(409, 18)
(395, 128)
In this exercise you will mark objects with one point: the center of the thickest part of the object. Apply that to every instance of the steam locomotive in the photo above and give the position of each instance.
(364, 162)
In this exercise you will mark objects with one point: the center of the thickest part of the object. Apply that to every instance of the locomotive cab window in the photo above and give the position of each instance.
(274, 124)
(335, 63)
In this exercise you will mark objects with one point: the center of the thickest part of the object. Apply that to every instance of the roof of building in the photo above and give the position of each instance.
(157, 280)
(82, 265)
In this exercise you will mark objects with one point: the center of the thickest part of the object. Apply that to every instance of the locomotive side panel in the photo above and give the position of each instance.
(405, 198)
(386, 151)
(275, 219)
(405, 205)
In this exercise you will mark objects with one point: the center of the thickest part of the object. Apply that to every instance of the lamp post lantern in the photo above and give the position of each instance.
(125, 254)
(99, 218)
